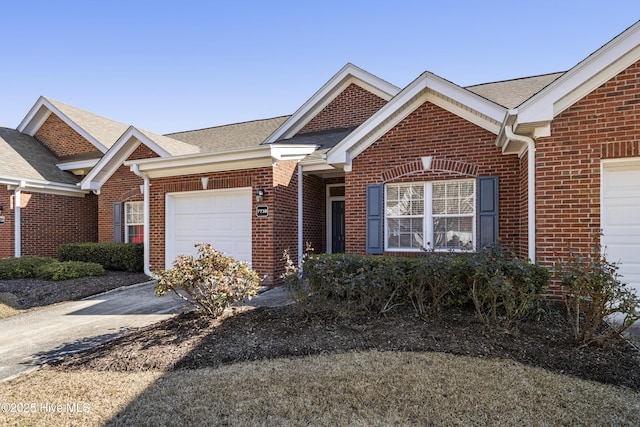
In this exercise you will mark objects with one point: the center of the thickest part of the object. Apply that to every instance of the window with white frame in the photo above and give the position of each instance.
(134, 222)
(436, 215)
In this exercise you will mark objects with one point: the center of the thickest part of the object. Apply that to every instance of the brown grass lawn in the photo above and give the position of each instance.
(9, 305)
(354, 388)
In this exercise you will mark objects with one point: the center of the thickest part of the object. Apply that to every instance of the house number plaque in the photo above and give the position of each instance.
(262, 211)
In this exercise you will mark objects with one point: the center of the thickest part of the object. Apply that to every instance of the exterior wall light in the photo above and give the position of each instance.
(260, 195)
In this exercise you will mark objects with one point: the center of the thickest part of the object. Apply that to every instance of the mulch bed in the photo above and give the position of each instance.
(191, 342)
(37, 293)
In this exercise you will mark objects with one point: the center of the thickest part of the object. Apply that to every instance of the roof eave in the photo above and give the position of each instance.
(247, 158)
(329, 91)
(589, 74)
(35, 118)
(42, 186)
(427, 87)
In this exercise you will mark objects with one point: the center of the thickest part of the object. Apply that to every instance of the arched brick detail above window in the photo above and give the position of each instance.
(430, 164)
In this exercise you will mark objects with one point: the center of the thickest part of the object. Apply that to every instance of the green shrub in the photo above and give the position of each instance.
(21, 268)
(210, 281)
(68, 270)
(112, 256)
(505, 289)
(596, 294)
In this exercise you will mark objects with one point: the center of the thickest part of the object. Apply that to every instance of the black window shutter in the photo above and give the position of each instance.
(487, 211)
(117, 222)
(375, 218)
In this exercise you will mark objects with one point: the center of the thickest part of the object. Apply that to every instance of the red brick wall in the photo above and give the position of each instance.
(6, 229)
(285, 212)
(351, 108)
(604, 124)
(270, 235)
(47, 221)
(123, 186)
(522, 247)
(314, 211)
(433, 131)
(61, 139)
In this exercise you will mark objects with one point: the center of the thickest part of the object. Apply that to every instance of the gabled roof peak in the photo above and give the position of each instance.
(347, 75)
(98, 130)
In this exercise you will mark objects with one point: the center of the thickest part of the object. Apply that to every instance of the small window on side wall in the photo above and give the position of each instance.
(134, 222)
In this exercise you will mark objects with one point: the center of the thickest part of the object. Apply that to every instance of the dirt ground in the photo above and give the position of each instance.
(188, 341)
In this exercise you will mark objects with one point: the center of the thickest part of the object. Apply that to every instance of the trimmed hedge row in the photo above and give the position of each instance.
(112, 256)
(47, 269)
(503, 288)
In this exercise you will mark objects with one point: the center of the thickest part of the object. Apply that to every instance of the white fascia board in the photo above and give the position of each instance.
(35, 119)
(41, 186)
(208, 162)
(115, 157)
(327, 93)
(78, 164)
(291, 151)
(479, 111)
(36, 116)
(589, 74)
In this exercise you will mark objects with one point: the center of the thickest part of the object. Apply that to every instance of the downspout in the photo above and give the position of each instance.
(531, 189)
(17, 219)
(300, 214)
(147, 217)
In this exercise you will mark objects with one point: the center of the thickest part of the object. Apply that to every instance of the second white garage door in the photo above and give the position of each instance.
(219, 217)
(621, 218)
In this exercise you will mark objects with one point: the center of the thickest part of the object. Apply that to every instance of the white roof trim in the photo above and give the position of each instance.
(36, 117)
(426, 88)
(114, 158)
(261, 156)
(589, 74)
(328, 92)
(77, 164)
(41, 186)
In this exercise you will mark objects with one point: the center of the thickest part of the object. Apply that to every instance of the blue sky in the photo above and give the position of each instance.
(170, 66)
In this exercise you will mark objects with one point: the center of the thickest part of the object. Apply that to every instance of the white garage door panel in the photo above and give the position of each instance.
(621, 218)
(219, 217)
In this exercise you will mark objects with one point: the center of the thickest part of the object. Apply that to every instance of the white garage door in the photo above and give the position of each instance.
(219, 217)
(621, 218)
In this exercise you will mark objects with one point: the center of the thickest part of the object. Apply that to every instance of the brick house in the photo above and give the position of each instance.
(540, 164)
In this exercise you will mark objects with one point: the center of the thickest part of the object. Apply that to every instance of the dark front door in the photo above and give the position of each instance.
(337, 226)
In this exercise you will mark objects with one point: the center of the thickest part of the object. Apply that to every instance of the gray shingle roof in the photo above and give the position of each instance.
(105, 131)
(511, 93)
(232, 136)
(171, 145)
(22, 156)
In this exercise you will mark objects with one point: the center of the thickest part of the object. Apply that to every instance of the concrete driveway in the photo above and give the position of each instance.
(32, 339)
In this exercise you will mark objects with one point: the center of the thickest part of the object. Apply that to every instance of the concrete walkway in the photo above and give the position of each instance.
(36, 337)
(40, 336)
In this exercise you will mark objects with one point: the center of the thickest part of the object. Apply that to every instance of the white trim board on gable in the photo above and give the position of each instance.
(349, 74)
(426, 88)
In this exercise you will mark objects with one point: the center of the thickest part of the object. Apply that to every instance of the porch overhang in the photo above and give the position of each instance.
(248, 158)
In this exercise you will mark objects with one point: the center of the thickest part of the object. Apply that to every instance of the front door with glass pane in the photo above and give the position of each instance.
(337, 226)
